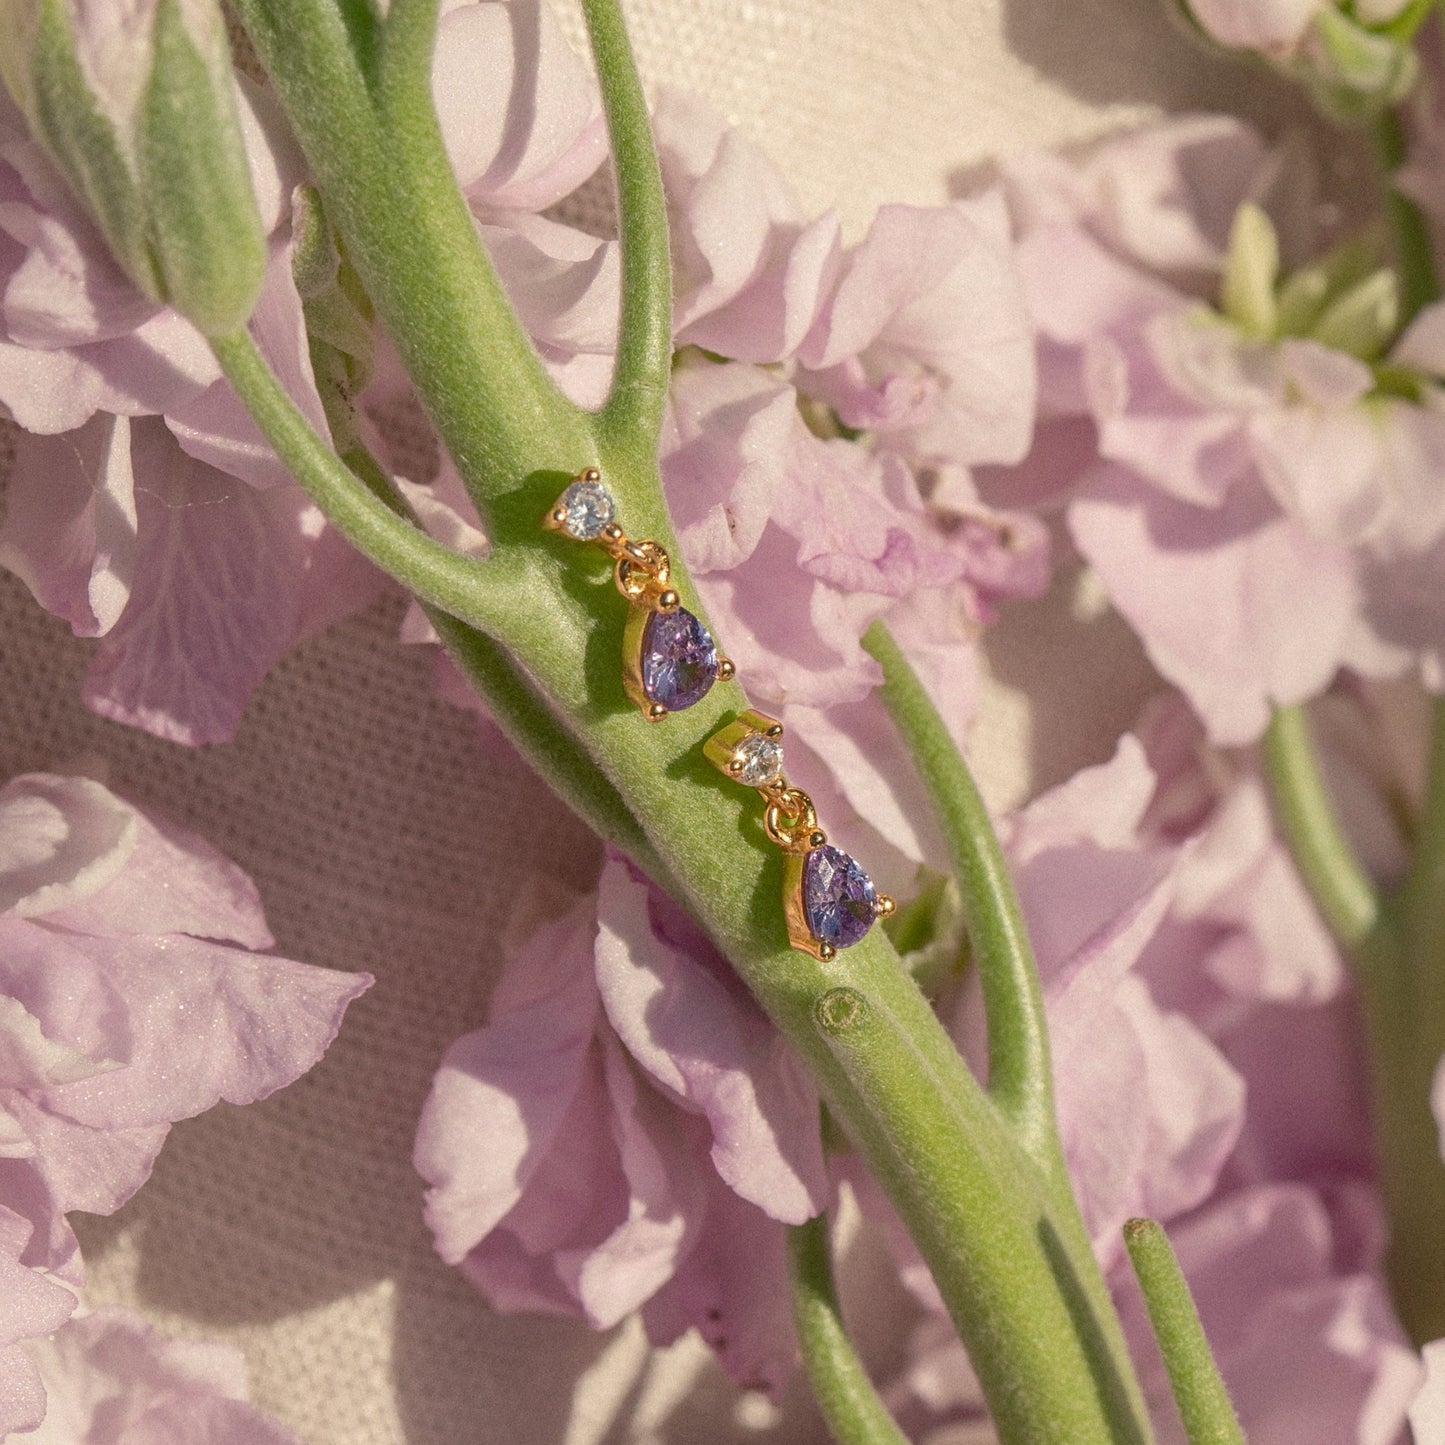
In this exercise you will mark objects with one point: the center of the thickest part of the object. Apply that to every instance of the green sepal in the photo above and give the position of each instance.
(83, 143)
(204, 224)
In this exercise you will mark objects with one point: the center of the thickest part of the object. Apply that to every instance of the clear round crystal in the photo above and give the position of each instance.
(761, 758)
(589, 508)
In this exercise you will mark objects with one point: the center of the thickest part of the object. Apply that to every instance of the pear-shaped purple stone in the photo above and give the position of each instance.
(839, 899)
(679, 659)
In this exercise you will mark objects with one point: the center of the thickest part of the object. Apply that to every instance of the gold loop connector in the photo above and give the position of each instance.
(791, 822)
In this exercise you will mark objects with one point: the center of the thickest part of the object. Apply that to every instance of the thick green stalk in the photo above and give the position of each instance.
(515, 706)
(375, 150)
(983, 1216)
(845, 1395)
(1204, 1404)
(1020, 1072)
(1020, 1078)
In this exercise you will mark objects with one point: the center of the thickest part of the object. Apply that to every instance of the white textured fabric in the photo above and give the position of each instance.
(386, 834)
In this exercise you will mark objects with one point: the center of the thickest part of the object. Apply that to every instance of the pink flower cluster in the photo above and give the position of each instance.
(1255, 486)
(1153, 352)
(133, 993)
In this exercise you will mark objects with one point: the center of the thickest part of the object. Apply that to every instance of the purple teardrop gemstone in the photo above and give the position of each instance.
(679, 659)
(839, 899)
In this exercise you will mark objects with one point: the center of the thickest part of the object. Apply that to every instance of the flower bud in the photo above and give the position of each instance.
(135, 104)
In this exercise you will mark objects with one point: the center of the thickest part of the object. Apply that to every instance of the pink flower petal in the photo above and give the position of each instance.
(114, 1380)
(215, 601)
(750, 271)
(207, 1022)
(685, 1019)
(61, 839)
(664, 1202)
(503, 1092)
(31, 1306)
(217, 429)
(725, 461)
(519, 112)
(70, 522)
(1279, 605)
(731, 1289)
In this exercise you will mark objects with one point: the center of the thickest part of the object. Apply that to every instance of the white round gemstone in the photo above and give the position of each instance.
(761, 758)
(588, 507)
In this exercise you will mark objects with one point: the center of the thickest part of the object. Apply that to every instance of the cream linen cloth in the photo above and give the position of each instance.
(377, 821)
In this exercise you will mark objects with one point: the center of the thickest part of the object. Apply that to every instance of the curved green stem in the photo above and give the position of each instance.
(1404, 964)
(1020, 1077)
(633, 410)
(480, 593)
(845, 1395)
(1023, 1250)
(1340, 887)
(1204, 1404)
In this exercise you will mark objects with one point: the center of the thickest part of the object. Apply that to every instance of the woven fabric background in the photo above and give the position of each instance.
(388, 832)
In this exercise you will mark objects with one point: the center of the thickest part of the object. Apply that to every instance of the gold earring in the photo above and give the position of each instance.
(669, 659)
(829, 902)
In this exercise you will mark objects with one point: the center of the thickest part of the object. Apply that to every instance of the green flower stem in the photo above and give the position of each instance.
(523, 716)
(632, 414)
(845, 1395)
(987, 1191)
(1345, 896)
(1020, 1073)
(983, 1216)
(1204, 1404)
(1403, 965)
(1396, 949)
(482, 593)
(1020, 1078)
(408, 37)
(1413, 249)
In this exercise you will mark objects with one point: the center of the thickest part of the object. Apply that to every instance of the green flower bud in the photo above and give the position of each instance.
(136, 106)
(1251, 269)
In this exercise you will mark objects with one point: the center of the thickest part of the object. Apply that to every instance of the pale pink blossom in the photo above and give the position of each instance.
(627, 1132)
(1261, 482)
(925, 338)
(195, 582)
(112, 1379)
(132, 994)
(1273, 26)
(519, 111)
(1096, 892)
(751, 269)
(31, 1306)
